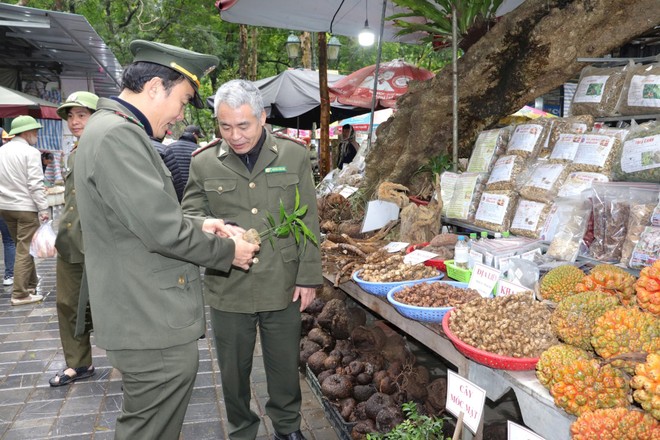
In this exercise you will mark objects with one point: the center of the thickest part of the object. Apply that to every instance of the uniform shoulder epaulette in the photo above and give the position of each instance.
(289, 138)
(213, 143)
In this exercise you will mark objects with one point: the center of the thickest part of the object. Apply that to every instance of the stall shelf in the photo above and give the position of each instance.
(537, 406)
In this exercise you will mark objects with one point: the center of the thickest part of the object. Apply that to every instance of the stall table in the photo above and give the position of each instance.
(536, 405)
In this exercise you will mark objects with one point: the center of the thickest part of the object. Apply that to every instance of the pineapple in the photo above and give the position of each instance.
(646, 383)
(615, 282)
(625, 330)
(648, 288)
(615, 424)
(560, 282)
(573, 319)
(555, 358)
(584, 385)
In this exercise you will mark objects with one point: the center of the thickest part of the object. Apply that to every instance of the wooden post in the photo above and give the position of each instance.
(324, 140)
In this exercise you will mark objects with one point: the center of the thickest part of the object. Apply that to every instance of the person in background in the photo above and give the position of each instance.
(70, 268)
(348, 146)
(241, 179)
(23, 203)
(8, 246)
(177, 157)
(46, 159)
(142, 255)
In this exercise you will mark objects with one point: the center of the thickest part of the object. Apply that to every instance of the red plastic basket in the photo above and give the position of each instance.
(484, 357)
(433, 262)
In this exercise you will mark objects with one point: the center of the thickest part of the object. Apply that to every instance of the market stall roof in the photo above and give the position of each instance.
(43, 45)
(338, 17)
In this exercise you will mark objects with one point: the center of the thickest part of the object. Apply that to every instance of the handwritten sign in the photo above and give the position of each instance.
(483, 279)
(508, 288)
(465, 397)
(517, 432)
(418, 256)
(395, 246)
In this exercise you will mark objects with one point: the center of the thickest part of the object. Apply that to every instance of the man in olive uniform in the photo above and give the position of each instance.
(76, 111)
(141, 252)
(241, 179)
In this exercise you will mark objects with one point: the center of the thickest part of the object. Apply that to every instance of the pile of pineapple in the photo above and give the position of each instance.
(607, 371)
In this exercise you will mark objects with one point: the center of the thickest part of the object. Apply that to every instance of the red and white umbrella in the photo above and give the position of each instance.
(393, 78)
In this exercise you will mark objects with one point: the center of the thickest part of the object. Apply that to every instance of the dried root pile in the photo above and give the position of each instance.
(383, 267)
(513, 325)
(435, 295)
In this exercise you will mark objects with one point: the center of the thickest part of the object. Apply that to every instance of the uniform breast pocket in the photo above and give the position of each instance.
(181, 288)
(282, 187)
(223, 196)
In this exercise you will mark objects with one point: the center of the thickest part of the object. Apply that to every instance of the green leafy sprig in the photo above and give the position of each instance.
(414, 427)
(289, 224)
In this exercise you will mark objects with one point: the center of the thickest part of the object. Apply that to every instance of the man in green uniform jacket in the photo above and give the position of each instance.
(141, 252)
(240, 180)
(76, 111)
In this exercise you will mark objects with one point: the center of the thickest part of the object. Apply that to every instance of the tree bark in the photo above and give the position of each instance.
(324, 141)
(531, 51)
(306, 50)
(243, 56)
(254, 50)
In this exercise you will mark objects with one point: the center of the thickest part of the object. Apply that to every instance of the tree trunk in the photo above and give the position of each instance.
(324, 145)
(254, 37)
(243, 56)
(531, 51)
(306, 50)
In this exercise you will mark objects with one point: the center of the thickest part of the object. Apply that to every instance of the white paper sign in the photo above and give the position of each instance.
(418, 256)
(348, 191)
(517, 432)
(395, 246)
(465, 397)
(483, 279)
(508, 288)
(379, 213)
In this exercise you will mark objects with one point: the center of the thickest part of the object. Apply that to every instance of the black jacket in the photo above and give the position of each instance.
(177, 158)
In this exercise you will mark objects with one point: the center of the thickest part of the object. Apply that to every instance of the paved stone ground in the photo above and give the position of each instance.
(30, 353)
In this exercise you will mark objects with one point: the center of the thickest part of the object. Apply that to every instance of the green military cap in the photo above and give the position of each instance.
(77, 99)
(22, 124)
(190, 64)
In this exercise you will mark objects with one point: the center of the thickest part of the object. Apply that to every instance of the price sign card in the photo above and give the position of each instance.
(418, 256)
(395, 246)
(483, 279)
(379, 213)
(517, 432)
(465, 397)
(348, 191)
(508, 288)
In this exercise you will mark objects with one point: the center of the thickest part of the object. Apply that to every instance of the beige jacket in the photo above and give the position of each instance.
(21, 177)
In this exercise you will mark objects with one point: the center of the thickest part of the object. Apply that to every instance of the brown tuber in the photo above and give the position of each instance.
(322, 338)
(376, 403)
(337, 386)
(316, 361)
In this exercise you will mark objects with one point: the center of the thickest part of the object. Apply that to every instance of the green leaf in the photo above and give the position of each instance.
(297, 205)
(282, 212)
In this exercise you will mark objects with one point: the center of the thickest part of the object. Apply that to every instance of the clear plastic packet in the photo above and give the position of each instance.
(639, 158)
(490, 145)
(642, 203)
(579, 181)
(574, 125)
(496, 209)
(611, 207)
(523, 272)
(565, 148)
(530, 218)
(596, 153)
(465, 199)
(598, 90)
(505, 173)
(543, 181)
(447, 184)
(43, 241)
(527, 139)
(567, 241)
(647, 249)
(640, 94)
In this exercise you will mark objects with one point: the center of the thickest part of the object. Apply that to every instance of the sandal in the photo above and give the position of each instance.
(64, 379)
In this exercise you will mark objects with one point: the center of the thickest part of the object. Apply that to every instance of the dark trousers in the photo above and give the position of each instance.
(157, 388)
(235, 337)
(77, 351)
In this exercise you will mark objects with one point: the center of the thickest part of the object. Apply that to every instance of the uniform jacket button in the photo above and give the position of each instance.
(255, 210)
(182, 280)
(252, 185)
(219, 188)
(255, 260)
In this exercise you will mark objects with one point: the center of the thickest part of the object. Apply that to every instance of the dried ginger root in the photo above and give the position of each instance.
(393, 192)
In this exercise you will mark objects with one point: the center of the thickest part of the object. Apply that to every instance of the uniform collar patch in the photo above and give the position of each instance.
(271, 170)
(274, 148)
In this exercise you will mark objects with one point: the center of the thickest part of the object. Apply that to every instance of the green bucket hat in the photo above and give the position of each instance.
(190, 64)
(77, 99)
(22, 124)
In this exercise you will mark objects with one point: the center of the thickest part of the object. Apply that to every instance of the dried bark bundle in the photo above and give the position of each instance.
(393, 192)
